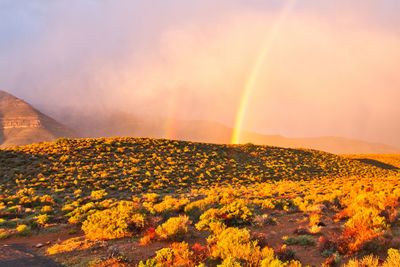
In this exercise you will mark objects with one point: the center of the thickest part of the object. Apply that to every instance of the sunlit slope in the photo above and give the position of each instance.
(137, 165)
(21, 124)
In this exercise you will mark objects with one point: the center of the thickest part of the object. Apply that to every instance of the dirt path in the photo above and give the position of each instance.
(21, 251)
(19, 255)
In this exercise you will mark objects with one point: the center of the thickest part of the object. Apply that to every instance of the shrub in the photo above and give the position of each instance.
(149, 236)
(369, 261)
(236, 212)
(42, 219)
(4, 233)
(302, 240)
(23, 229)
(170, 204)
(362, 227)
(230, 262)
(234, 243)
(178, 254)
(207, 218)
(46, 209)
(73, 244)
(174, 228)
(393, 258)
(98, 194)
(115, 222)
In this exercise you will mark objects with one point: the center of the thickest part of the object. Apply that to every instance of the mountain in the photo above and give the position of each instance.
(124, 124)
(21, 124)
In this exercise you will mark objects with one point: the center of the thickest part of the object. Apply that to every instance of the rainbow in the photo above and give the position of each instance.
(255, 71)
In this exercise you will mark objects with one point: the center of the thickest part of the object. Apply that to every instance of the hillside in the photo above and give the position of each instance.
(20, 123)
(388, 161)
(86, 202)
(125, 124)
(137, 165)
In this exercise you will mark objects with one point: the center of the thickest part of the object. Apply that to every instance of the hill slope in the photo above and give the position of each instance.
(21, 124)
(124, 124)
(142, 165)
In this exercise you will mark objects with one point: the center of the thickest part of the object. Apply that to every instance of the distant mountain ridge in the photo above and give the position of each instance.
(20, 123)
(123, 124)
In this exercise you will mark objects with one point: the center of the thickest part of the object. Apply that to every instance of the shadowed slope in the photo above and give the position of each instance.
(138, 165)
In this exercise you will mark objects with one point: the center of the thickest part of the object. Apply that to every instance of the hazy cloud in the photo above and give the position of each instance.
(332, 70)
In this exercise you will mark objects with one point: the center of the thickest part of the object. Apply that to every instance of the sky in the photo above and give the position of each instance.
(324, 68)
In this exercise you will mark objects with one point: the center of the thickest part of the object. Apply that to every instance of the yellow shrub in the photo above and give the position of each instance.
(98, 194)
(207, 218)
(46, 209)
(393, 259)
(236, 244)
(23, 229)
(115, 222)
(73, 244)
(236, 211)
(178, 254)
(230, 262)
(42, 219)
(174, 228)
(170, 204)
(365, 225)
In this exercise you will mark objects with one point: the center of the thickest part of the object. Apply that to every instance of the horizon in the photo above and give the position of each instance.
(290, 68)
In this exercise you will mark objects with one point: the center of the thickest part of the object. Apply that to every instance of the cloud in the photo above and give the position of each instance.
(322, 76)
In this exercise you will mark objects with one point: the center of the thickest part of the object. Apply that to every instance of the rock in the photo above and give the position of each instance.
(301, 231)
(39, 245)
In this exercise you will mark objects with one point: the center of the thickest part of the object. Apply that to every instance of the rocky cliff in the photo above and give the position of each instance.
(20, 123)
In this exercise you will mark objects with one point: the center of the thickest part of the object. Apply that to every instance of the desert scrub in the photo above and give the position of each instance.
(178, 254)
(392, 260)
(236, 212)
(116, 222)
(4, 233)
(98, 194)
(209, 217)
(302, 240)
(23, 229)
(235, 244)
(170, 204)
(230, 262)
(174, 228)
(73, 244)
(42, 219)
(234, 247)
(364, 226)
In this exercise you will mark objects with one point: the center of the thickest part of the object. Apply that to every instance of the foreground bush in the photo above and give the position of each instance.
(173, 229)
(364, 226)
(178, 254)
(116, 222)
(393, 260)
(235, 248)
